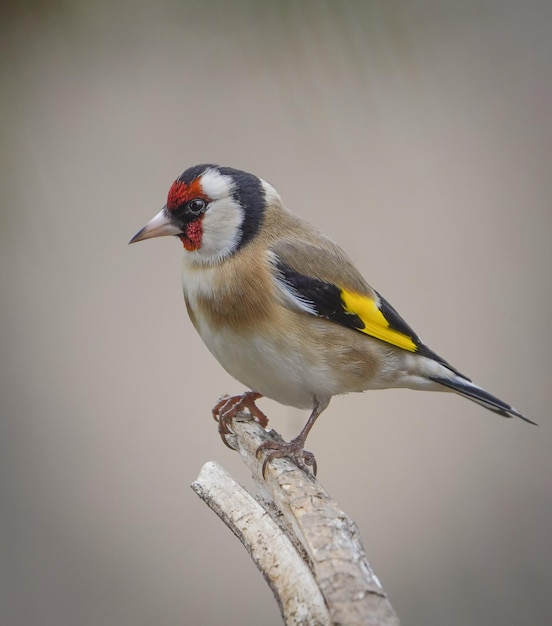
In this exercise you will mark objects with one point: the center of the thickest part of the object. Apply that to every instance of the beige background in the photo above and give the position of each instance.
(418, 134)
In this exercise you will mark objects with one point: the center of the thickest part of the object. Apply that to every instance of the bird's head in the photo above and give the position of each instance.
(213, 210)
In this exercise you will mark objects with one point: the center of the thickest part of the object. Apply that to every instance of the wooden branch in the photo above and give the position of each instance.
(285, 571)
(307, 549)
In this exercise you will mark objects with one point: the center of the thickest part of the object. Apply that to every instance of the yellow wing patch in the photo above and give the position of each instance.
(375, 323)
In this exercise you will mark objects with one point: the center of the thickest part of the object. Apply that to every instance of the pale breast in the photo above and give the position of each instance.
(239, 328)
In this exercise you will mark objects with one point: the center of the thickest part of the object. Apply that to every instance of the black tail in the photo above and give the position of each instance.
(467, 389)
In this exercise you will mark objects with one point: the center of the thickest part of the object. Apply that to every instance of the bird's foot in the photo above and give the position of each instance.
(294, 450)
(229, 406)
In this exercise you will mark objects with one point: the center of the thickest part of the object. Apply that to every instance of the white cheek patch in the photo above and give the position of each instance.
(222, 229)
(221, 223)
(216, 185)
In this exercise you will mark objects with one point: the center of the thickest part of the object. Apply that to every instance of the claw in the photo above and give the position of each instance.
(293, 451)
(229, 406)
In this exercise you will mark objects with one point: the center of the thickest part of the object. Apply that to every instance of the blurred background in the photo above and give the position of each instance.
(417, 134)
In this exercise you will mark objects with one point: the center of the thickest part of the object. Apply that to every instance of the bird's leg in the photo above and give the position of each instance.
(229, 406)
(293, 450)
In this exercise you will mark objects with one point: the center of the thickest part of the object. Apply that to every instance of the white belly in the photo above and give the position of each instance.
(270, 368)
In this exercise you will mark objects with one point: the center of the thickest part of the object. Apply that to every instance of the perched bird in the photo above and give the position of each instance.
(284, 310)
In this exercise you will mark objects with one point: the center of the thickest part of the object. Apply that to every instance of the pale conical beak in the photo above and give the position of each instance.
(158, 226)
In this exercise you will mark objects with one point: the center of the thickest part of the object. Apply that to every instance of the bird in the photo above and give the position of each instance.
(284, 309)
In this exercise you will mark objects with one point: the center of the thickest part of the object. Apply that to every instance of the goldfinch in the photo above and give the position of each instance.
(284, 310)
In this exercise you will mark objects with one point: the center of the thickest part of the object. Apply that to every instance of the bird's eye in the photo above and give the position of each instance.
(196, 206)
